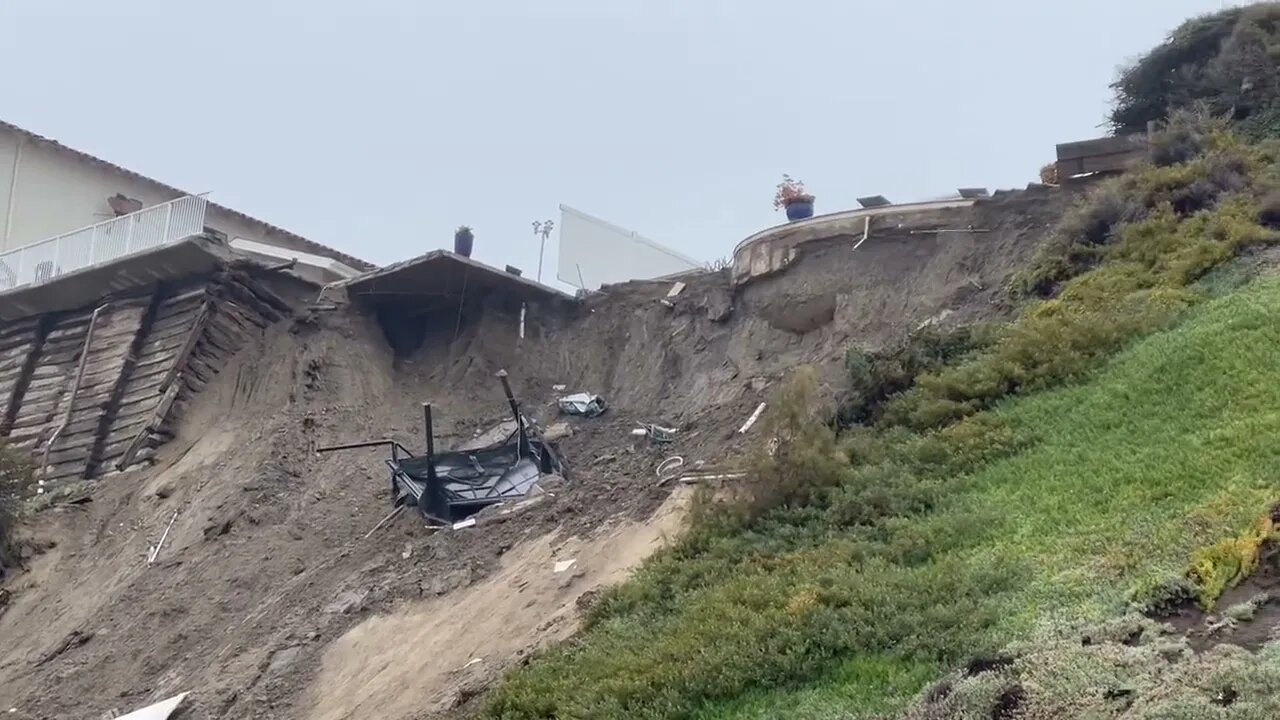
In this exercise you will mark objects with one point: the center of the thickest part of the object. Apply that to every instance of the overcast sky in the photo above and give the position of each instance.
(378, 126)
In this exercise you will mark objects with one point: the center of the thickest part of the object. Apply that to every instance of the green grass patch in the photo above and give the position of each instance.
(1091, 494)
(850, 567)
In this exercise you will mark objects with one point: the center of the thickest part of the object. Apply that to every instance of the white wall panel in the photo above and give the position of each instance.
(594, 253)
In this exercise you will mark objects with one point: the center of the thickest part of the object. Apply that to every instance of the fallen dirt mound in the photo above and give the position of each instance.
(266, 598)
(449, 649)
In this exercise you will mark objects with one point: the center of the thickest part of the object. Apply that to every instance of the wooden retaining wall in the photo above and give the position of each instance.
(97, 390)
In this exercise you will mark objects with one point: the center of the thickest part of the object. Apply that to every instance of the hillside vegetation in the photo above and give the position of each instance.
(853, 568)
(991, 491)
(1227, 62)
(15, 481)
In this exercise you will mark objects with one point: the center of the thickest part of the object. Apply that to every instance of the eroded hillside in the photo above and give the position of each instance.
(268, 600)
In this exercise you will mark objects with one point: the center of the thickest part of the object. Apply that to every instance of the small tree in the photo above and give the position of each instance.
(1225, 61)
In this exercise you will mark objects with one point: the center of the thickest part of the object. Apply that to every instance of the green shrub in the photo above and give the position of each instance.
(1120, 266)
(15, 486)
(874, 377)
(1222, 566)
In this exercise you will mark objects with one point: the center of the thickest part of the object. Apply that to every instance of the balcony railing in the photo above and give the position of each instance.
(102, 243)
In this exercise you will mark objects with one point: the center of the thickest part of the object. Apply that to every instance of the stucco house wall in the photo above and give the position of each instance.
(47, 189)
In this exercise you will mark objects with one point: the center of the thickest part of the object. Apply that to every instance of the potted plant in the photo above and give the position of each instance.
(792, 196)
(463, 240)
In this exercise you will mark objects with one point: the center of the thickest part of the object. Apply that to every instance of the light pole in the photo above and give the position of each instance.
(542, 229)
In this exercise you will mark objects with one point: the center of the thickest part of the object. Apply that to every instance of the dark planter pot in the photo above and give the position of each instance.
(462, 244)
(799, 211)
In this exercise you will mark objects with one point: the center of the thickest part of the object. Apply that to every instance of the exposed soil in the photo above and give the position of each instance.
(1247, 615)
(267, 600)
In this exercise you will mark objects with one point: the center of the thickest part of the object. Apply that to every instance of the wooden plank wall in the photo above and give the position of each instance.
(19, 345)
(146, 358)
(74, 429)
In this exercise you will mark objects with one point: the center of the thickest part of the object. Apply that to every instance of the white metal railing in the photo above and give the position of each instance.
(102, 243)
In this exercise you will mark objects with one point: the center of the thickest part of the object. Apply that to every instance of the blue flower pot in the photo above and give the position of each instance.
(799, 211)
(462, 244)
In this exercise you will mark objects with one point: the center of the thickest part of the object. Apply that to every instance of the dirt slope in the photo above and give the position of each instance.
(267, 601)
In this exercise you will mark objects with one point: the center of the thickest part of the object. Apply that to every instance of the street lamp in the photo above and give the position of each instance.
(542, 229)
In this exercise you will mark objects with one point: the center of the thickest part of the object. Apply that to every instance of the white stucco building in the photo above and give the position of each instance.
(49, 190)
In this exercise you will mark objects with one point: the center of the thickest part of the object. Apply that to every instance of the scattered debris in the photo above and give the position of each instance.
(691, 479)
(464, 524)
(408, 550)
(584, 404)
(562, 565)
(669, 469)
(472, 662)
(496, 434)
(446, 485)
(559, 388)
(557, 431)
(390, 516)
(752, 420)
(675, 290)
(159, 711)
(154, 551)
(656, 433)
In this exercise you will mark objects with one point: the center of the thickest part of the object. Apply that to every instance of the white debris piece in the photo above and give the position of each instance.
(584, 404)
(563, 565)
(669, 468)
(752, 420)
(159, 711)
(463, 524)
(154, 551)
(675, 290)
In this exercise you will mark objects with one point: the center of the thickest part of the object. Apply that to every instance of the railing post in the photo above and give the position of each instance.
(168, 219)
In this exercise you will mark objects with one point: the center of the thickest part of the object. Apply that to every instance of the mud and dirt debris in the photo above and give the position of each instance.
(262, 618)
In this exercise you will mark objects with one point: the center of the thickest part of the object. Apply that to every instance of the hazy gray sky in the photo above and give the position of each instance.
(378, 126)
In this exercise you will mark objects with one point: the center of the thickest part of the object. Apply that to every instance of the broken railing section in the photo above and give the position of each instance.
(448, 486)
